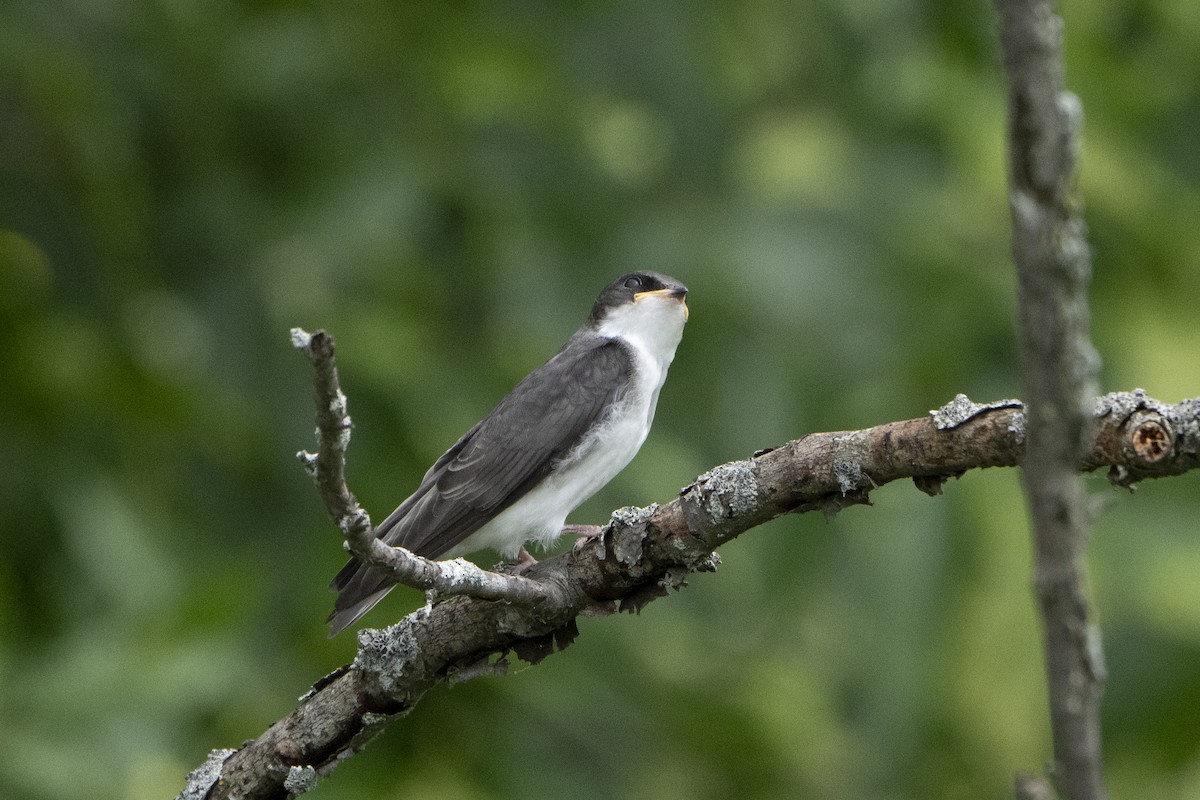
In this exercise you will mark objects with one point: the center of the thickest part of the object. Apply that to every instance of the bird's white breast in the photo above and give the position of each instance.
(651, 330)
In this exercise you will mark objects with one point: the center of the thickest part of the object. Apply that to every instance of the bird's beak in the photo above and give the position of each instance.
(673, 294)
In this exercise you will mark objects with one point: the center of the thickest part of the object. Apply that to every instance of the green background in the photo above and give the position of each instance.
(445, 187)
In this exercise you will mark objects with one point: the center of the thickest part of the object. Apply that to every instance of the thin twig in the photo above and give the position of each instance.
(328, 467)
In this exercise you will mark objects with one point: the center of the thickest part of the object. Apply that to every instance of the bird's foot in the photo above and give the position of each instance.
(585, 533)
(525, 560)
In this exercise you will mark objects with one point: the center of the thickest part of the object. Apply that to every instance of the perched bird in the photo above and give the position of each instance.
(560, 435)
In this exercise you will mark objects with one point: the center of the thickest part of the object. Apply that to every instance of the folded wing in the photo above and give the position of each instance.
(494, 464)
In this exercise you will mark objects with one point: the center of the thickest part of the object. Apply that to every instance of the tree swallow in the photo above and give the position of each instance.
(559, 436)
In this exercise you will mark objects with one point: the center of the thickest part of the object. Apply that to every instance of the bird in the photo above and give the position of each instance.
(556, 439)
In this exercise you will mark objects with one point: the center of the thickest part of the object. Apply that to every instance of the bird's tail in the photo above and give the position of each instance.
(359, 588)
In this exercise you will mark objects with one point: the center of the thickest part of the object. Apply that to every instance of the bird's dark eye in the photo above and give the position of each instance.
(633, 282)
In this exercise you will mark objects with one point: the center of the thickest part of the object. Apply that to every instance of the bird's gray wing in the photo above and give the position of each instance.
(513, 448)
(495, 463)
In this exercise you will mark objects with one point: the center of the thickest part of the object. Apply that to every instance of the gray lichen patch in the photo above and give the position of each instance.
(338, 407)
(309, 462)
(628, 532)
(355, 522)
(962, 409)
(390, 658)
(301, 338)
(300, 780)
(1122, 405)
(201, 779)
(730, 490)
(458, 574)
(632, 516)
(850, 476)
(1018, 425)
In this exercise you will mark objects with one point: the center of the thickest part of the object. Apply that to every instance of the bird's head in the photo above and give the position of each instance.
(646, 306)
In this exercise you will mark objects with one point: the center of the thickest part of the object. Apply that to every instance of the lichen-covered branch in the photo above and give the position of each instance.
(1060, 365)
(644, 553)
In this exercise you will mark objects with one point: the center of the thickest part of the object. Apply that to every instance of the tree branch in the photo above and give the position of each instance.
(644, 553)
(1054, 267)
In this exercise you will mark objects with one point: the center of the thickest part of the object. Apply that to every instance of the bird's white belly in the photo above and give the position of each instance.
(539, 515)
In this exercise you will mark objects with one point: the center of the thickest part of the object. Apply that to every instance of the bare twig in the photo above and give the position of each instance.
(328, 470)
(328, 465)
(1054, 267)
(643, 553)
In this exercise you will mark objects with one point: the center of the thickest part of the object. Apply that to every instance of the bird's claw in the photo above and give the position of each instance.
(586, 533)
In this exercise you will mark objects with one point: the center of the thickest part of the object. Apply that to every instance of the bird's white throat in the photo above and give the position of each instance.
(653, 324)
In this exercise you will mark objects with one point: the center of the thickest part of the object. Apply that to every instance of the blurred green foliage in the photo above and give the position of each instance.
(445, 187)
